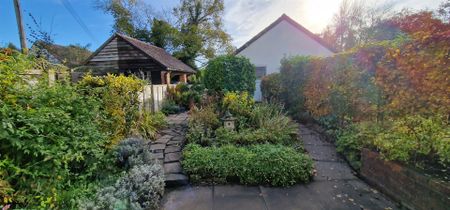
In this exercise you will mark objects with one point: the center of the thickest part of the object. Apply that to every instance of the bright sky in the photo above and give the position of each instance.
(243, 18)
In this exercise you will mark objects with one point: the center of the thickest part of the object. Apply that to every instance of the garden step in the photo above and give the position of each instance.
(173, 180)
(167, 148)
(175, 143)
(172, 168)
(159, 156)
(164, 139)
(172, 157)
(170, 149)
(157, 147)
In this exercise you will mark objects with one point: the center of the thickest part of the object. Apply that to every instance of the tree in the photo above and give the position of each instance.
(195, 36)
(357, 23)
(163, 34)
(200, 23)
(230, 73)
(38, 34)
(11, 46)
(131, 17)
(444, 11)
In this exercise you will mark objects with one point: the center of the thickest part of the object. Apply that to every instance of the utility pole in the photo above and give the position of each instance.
(23, 41)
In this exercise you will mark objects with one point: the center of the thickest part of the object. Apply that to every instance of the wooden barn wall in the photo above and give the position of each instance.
(120, 56)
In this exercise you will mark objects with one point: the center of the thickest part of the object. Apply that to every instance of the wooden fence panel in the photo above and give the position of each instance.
(153, 96)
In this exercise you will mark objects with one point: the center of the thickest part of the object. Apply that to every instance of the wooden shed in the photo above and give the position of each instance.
(126, 55)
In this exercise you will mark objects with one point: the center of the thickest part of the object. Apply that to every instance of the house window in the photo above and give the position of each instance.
(261, 71)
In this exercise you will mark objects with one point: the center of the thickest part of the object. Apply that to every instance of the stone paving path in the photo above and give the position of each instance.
(167, 148)
(334, 187)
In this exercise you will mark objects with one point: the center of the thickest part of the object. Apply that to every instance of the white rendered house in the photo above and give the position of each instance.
(282, 38)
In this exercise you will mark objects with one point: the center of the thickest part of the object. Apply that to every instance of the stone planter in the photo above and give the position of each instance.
(412, 189)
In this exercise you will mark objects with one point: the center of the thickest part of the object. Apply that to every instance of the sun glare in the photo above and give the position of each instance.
(319, 13)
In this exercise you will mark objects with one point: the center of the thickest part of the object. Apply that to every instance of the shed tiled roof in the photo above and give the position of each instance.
(156, 53)
(159, 54)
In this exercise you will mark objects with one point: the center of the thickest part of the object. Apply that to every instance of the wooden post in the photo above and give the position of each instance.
(183, 78)
(168, 78)
(51, 77)
(163, 77)
(23, 42)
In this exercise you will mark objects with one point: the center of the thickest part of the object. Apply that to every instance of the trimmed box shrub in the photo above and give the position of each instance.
(274, 165)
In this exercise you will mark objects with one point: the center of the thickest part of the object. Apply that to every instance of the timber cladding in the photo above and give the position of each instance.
(123, 54)
(409, 187)
(120, 56)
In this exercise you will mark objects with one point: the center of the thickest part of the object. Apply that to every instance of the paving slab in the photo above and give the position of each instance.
(172, 157)
(175, 143)
(170, 149)
(340, 194)
(164, 139)
(172, 168)
(179, 138)
(323, 153)
(292, 198)
(159, 155)
(333, 170)
(195, 198)
(238, 197)
(157, 147)
(314, 140)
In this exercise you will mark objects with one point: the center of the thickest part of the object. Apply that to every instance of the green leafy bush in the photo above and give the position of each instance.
(238, 103)
(294, 74)
(150, 123)
(253, 136)
(57, 142)
(266, 123)
(12, 64)
(200, 135)
(414, 138)
(272, 117)
(275, 165)
(230, 73)
(120, 99)
(353, 139)
(202, 123)
(51, 141)
(272, 88)
(170, 107)
(206, 117)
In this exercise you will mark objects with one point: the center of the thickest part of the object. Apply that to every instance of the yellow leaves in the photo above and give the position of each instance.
(119, 95)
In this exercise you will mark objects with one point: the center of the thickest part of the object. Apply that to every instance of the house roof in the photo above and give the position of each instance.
(286, 18)
(156, 53)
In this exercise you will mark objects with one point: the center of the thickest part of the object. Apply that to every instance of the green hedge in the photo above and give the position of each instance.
(275, 165)
(254, 136)
(230, 73)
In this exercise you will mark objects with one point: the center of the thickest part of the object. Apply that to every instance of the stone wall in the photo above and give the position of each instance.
(412, 189)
